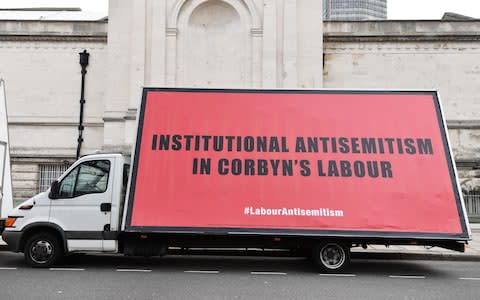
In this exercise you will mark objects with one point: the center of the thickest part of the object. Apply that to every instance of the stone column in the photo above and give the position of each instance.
(290, 44)
(118, 74)
(156, 30)
(310, 43)
(270, 44)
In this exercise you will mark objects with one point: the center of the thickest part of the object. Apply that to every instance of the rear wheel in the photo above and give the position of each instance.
(42, 250)
(331, 257)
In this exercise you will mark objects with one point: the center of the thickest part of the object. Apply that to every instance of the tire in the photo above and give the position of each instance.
(42, 250)
(331, 257)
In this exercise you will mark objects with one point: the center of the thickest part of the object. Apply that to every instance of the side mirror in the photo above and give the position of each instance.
(54, 190)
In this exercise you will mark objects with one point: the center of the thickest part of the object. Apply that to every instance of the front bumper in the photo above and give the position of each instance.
(2, 226)
(12, 238)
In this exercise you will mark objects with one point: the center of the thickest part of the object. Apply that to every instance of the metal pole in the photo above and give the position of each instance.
(84, 63)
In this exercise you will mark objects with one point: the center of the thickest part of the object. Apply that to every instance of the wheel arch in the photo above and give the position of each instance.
(35, 228)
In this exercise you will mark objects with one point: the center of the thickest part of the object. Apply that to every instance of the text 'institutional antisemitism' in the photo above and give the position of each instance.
(349, 153)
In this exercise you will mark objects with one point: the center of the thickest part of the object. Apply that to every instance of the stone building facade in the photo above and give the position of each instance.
(218, 43)
(39, 63)
(435, 55)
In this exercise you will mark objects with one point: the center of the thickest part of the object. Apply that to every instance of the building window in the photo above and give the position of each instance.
(472, 204)
(48, 173)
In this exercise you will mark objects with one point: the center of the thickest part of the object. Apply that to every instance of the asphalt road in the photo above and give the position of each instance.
(205, 277)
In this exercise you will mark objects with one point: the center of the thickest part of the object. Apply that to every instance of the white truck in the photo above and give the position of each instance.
(312, 171)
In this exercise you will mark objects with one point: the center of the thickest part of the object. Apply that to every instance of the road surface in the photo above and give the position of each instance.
(207, 277)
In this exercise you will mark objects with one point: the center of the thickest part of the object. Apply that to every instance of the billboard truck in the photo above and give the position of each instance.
(311, 171)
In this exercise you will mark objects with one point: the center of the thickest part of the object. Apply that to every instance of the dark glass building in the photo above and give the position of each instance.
(354, 9)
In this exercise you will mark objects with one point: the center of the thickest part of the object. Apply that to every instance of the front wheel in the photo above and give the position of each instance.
(331, 257)
(43, 250)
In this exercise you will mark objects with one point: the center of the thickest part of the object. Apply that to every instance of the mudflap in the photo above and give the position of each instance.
(453, 245)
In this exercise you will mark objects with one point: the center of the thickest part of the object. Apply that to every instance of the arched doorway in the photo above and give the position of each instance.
(214, 45)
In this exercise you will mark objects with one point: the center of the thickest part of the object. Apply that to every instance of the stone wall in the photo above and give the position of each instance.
(436, 55)
(39, 62)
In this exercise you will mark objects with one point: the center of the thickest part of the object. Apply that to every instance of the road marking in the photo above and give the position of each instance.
(202, 271)
(267, 273)
(134, 270)
(407, 276)
(66, 269)
(338, 275)
(469, 278)
(7, 268)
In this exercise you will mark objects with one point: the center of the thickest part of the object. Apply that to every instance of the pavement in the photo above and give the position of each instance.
(472, 252)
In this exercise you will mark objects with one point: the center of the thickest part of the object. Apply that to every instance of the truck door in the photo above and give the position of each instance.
(84, 204)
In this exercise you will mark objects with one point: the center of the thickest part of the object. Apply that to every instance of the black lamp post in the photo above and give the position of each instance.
(84, 63)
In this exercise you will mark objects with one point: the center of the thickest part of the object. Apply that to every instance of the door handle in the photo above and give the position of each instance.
(106, 207)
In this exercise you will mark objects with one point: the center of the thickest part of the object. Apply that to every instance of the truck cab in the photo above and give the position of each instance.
(81, 212)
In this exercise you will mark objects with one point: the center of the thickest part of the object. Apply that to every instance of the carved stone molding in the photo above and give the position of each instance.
(54, 124)
(463, 124)
(54, 38)
(401, 47)
(172, 31)
(343, 38)
(257, 32)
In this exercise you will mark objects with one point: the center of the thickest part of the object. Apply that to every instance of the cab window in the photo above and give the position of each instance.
(89, 177)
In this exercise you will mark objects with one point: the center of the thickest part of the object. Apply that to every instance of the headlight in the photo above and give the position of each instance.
(26, 206)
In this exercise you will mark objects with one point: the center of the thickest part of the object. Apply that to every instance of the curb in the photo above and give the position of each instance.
(415, 256)
(377, 255)
(374, 255)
